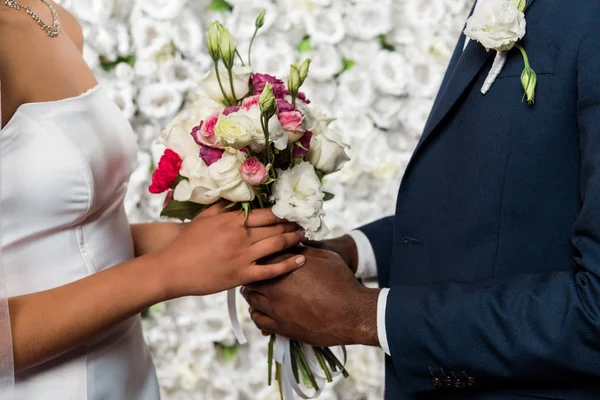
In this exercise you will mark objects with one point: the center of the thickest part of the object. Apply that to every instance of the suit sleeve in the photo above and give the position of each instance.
(539, 327)
(381, 235)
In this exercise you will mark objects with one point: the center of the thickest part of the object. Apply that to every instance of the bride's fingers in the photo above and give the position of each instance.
(275, 244)
(262, 217)
(256, 273)
(258, 234)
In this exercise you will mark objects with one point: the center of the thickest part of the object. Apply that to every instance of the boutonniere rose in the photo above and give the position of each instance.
(499, 25)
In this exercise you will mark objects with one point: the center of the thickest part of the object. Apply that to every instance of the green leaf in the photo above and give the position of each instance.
(183, 210)
(220, 6)
(305, 45)
(227, 353)
(385, 44)
(347, 63)
(328, 196)
(110, 65)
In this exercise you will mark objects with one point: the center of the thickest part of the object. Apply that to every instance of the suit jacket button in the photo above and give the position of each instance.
(460, 384)
(436, 382)
(447, 381)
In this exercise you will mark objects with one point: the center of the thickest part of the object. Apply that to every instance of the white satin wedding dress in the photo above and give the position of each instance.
(65, 169)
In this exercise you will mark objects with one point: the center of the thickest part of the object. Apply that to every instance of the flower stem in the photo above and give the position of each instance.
(230, 71)
(524, 53)
(271, 345)
(250, 47)
(305, 365)
(221, 84)
(323, 364)
(240, 57)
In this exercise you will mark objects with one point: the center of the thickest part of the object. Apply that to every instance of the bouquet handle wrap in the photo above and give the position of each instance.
(233, 317)
(7, 370)
(497, 66)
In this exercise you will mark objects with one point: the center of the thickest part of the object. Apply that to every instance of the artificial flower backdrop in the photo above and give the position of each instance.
(377, 65)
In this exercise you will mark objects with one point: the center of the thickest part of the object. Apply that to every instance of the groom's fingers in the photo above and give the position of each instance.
(257, 301)
(263, 321)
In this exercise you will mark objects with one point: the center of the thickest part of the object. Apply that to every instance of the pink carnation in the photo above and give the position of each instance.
(259, 81)
(254, 172)
(166, 174)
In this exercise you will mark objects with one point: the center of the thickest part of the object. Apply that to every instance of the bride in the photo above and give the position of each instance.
(77, 274)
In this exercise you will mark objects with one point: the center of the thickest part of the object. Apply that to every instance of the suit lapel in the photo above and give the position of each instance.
(464, 67)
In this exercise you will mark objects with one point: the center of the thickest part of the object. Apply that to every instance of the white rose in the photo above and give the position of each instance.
(177, 137)
(209, 85)
(314, 119)
(235, 130)
(496, 24)
(298, 197)
(327, 152)
(204, 107)
(226, 173)
(277, 135)
(199, 188)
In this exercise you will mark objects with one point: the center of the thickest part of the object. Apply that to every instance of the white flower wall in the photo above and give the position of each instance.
(377, 65)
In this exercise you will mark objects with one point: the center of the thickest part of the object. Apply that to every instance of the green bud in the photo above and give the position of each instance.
(267, 102)
(227, 46)
(260, 20)
(213, 41)
(529, 81)
(303, 70)
(294, 80)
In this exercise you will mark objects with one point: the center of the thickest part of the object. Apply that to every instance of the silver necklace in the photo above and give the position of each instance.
(53, 30)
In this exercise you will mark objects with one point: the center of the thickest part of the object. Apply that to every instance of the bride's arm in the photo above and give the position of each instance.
(211, 254)
(155, 236)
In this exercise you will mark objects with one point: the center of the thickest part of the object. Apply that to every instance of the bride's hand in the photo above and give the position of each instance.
(215, 252)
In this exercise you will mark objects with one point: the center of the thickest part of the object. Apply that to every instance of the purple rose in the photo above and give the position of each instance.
(210, 155)
(285, 106)
(305, 143)
(230, 110)
(259, 81)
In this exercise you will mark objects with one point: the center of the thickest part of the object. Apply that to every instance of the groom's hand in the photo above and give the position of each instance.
(321, 304)
(344, 246)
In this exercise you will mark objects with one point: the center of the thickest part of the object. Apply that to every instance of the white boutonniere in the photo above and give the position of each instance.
(499, 25)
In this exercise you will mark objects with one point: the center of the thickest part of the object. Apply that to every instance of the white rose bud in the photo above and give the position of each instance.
(327, 152)
(213, 42)
(294, 80)
(303, 70)
(496, 24)
(260, 20)
(227, 46)
(267, 102)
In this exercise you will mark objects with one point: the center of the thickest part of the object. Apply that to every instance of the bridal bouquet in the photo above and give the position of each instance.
(256, 142)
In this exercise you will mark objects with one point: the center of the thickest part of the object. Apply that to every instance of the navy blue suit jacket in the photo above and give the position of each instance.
(493, 255)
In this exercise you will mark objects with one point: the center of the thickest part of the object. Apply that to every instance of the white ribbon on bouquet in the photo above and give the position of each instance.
(282, 354)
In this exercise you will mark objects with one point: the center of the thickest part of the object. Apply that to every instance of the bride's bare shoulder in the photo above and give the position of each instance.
(71, 26)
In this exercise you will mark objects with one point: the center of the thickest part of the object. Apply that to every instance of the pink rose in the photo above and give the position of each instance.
(205, 132)
(251, 101)
(210, 155)
(291, 121)
(254, 172)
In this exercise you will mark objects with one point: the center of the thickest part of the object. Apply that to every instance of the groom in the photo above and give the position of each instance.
(490, 268)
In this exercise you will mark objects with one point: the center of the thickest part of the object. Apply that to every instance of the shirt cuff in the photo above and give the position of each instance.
(367, 264)
(381, 331)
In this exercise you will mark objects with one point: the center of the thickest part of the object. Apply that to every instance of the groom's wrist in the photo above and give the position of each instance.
(363, 317)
